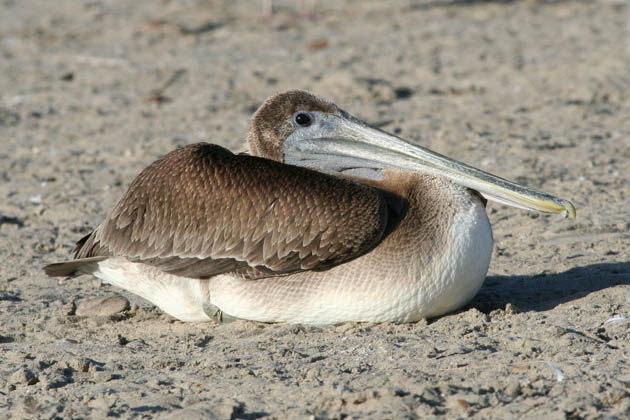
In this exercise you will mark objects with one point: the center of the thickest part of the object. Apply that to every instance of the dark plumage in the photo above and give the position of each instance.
(200, 211)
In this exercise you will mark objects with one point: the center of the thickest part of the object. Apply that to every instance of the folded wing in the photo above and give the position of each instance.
(201, 211)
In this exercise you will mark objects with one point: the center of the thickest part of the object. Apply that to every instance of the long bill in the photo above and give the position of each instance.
(338, 143)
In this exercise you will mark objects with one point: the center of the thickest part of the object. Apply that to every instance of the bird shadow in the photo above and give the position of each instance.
(543, 292)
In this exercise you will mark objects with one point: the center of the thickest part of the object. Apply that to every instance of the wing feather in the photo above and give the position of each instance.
(201, 211)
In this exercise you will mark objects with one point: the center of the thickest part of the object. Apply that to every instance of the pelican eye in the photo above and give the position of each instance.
(303, 119)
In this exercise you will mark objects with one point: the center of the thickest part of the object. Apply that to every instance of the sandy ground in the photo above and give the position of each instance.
(538, 91)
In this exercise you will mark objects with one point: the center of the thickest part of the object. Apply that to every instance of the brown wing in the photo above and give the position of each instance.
(201, 211)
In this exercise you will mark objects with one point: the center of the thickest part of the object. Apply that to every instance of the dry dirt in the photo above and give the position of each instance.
(538, 91)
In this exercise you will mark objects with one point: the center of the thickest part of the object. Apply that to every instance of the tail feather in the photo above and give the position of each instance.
(80, 243)
(73, 267)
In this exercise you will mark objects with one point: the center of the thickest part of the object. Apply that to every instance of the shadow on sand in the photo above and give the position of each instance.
(425, 5)
(546, 291)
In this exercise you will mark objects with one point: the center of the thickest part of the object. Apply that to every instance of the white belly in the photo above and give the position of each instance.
(368, 289)
(461, 270)
(182, 298)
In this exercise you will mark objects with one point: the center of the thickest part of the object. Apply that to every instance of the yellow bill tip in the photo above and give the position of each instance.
(569, 209)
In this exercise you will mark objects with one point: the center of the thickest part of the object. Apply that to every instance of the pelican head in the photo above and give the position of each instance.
(302, 129)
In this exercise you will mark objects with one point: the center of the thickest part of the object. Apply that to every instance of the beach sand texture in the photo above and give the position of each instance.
(91, 92)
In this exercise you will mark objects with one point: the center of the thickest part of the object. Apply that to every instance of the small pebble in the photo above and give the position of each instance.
(432, 352)
(510, 308)
(36, 199)
(55, 380)
(463, 404)
(104, 306)
(103, 403)
(81, 364)
(69, 309)
(513, 389)
(22, 376)
(101, 376)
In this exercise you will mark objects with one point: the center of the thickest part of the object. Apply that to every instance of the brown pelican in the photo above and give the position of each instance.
(327, 220)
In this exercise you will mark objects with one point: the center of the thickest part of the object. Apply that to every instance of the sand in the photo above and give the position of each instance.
(537, 91)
